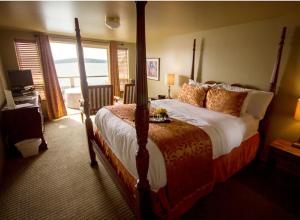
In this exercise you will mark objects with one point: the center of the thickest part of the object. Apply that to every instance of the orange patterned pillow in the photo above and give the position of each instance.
(193, 95)
(229, 102)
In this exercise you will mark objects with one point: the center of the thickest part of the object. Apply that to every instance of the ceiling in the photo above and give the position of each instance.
(162, 18)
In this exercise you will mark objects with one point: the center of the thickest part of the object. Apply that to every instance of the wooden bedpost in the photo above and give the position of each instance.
(193, 61)
(143, 209)
(275, 73)
(265, 123)
(84, 90)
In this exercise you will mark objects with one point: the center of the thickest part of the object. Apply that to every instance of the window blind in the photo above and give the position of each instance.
(29, 59)
(123, 66)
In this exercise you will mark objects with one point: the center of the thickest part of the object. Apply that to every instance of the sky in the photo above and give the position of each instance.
(68, 50)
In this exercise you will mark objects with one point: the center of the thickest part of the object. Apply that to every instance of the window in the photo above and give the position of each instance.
(66, 64)
(123, 67)
(29, 59)
(96, 65)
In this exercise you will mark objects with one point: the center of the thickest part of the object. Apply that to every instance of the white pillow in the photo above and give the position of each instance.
(233, 88)
(195, 83)
(205, 85)
(258, 102)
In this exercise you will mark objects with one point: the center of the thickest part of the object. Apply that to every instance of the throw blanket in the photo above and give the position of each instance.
(186, 149)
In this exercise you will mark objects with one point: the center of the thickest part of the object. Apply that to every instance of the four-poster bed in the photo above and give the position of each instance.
(168, 200)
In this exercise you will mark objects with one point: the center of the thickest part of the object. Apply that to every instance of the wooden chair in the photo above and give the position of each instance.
(99, 96)
(129, 94)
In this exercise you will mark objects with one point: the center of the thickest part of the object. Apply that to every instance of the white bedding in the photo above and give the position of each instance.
(225, 131)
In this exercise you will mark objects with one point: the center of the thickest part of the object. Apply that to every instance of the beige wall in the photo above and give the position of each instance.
(244, 54)
(2, 100)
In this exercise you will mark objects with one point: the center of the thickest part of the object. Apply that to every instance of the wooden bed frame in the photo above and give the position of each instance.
(142, 203)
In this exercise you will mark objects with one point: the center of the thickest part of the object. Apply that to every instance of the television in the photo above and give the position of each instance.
(19, 79)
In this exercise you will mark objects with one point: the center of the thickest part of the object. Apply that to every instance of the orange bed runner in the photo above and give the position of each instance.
(184, 147)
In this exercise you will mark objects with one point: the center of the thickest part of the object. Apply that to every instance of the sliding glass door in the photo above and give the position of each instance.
(66, 64)
(65, 59)
(96, 60)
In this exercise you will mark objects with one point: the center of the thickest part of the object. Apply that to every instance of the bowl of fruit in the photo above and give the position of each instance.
(160, 115)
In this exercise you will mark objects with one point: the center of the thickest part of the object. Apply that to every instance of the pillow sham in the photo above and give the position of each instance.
(237, 89)
(193, 95)
(228, 102)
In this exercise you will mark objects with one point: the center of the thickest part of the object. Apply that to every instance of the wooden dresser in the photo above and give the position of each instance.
(23, 122)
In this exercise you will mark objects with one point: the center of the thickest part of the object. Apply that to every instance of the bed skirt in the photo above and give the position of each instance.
(223, 167)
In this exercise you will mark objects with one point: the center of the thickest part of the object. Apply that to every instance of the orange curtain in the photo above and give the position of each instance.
(55, 102)
(114, 70)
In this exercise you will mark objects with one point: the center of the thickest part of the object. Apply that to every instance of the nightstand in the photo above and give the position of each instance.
(284, 156)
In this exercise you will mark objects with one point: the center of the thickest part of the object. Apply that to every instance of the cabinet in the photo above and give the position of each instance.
(23, 122)
(285, 156)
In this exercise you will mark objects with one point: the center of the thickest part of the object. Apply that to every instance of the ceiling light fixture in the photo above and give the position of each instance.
(112, 22)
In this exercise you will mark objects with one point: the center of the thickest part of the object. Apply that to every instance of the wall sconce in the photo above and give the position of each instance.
(297, 117)
(170, 82)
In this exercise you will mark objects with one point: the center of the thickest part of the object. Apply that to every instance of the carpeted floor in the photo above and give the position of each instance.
(60, 184)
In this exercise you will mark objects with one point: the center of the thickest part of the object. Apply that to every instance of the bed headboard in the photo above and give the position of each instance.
(275, 73)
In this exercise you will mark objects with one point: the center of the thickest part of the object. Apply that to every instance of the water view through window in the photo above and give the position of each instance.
(65, 59)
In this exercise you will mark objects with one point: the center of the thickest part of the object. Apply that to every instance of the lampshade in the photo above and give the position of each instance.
(170, 79)
(297, 112)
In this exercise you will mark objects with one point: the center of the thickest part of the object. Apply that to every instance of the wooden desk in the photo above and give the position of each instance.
(284, 156)
(23, 123)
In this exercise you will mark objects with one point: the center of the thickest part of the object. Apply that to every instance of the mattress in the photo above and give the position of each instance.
(225, 131)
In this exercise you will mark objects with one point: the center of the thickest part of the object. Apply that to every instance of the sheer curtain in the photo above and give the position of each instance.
(114, 70)
(55, 102)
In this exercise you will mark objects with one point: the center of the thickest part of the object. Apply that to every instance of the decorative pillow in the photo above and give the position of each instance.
(193, 95)
(237, 89)
(228, 102)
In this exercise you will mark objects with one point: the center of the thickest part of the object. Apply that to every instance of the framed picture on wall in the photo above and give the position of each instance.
(153, 68)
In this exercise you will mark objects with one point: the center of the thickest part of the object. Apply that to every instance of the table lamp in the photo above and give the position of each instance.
(297, 117)
(170, 82)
